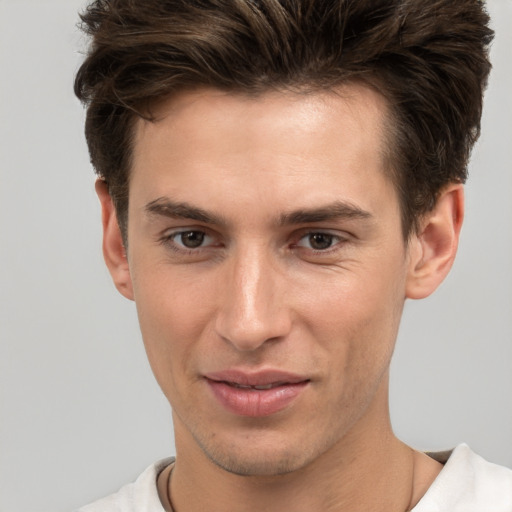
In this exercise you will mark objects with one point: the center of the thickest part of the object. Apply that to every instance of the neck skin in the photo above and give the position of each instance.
(368, 469)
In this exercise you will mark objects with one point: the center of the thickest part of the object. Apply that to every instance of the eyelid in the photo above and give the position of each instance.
(342, 235)
(339, 239)
(168, 238)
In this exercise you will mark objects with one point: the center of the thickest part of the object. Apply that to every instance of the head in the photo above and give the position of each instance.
(427, 59)
(278, 177)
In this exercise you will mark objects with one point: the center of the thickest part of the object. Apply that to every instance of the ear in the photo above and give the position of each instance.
(114, 252)
(433, 250)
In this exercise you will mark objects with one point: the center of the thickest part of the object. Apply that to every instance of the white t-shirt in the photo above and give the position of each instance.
(467, 483)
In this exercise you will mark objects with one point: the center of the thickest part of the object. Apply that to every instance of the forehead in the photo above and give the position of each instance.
(353, 105)
(273, 146)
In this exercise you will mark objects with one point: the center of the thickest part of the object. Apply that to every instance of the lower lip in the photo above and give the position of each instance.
(254, 402)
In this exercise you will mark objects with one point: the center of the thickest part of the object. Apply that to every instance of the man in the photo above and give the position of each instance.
(276, 178)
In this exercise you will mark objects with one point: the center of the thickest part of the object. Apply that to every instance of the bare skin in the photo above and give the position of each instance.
(264, 238)
(425, 472)
(397, 488)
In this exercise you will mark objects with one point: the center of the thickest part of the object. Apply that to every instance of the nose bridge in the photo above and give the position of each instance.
(252, 311)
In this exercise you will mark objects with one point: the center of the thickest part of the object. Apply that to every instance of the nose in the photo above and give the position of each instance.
(253, 309)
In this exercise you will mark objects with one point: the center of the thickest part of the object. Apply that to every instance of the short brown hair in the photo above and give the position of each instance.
(429, 58)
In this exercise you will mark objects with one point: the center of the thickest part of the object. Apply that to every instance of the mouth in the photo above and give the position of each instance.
(256, 394)
(256, 388)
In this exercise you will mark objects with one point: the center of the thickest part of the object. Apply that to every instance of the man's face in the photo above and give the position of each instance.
(269, 271)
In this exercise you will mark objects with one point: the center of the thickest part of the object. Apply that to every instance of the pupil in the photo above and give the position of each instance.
(320, 241)
(192, 239)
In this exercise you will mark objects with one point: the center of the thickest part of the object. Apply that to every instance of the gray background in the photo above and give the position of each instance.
(80, 413)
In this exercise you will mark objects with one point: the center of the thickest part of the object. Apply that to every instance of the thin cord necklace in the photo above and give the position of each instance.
(168, 489)
(413, 469)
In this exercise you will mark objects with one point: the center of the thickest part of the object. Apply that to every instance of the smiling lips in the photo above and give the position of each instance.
(260, 394)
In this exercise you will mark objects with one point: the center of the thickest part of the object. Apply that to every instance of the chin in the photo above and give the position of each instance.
(261, 464)
(263, 456)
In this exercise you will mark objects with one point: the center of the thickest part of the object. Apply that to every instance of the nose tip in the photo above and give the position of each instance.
(248, 337)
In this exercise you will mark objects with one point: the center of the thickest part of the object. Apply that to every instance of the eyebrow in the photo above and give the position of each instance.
(165, 207)
(338, 210)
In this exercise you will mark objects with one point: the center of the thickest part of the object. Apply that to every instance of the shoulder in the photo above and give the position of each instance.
(468, 483)
(138, 496)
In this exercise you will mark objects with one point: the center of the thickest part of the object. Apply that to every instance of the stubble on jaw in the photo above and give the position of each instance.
(341, 446)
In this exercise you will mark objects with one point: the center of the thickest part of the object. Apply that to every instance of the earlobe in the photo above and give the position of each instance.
(114, 251)
(432, 251)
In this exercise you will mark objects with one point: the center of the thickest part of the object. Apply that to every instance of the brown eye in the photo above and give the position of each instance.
(191, 239)
(320, 241)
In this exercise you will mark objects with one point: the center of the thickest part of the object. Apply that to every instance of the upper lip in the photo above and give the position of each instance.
(256, 378)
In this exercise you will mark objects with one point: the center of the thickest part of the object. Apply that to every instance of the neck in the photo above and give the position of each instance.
(368, 469)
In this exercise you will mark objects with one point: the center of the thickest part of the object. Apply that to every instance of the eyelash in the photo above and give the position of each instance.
(336, 241)
(168, 240)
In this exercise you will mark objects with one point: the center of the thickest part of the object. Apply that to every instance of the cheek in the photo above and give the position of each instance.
(357, 302)
(355, 320)
(174, 314)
